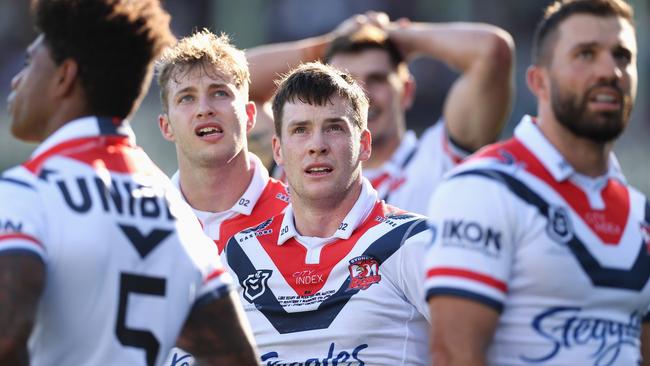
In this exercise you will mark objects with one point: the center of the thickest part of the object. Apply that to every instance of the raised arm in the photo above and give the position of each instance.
(478, 102)
(22, 278)
(266, 62)
(217, 334)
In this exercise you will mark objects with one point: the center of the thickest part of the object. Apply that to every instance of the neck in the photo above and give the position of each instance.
(67, 110)
(585, 156)
(321, 218)
(215, 189)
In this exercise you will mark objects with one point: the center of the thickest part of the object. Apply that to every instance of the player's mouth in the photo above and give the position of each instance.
(318, 170)
(605, 99)
(208, 130)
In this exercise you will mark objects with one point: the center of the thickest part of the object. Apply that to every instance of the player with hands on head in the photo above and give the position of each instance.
(375, 50)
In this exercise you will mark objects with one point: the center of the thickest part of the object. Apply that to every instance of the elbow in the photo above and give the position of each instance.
(440, 355)
(499, 51)
(445, 355)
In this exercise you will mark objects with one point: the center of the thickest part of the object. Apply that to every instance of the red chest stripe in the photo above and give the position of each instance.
(308, 279)
(607, 224)
(267, 206)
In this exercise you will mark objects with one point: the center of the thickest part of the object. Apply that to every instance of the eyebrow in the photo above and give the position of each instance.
(336, 120)
(192, 88)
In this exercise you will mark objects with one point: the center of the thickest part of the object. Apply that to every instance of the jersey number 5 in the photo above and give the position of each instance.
(137, 284)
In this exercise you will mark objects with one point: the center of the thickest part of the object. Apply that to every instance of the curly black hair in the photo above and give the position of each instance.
(114, 43)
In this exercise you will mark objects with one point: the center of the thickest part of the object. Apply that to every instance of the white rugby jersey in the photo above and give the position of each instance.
(351, 299)
(125, 258)
(562, 256)
(416, 168)
(264, 197)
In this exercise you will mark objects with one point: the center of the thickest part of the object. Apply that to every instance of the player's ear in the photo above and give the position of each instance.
(251, 112)
(277, 151)
(165, 127)
(408, 96)
(537, 80)
(365, 146)
(66, 77)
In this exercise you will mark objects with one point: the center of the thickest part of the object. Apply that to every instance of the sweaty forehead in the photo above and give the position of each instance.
(589, 29)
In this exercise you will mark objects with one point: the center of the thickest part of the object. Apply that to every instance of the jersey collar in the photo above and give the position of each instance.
(357, 215)
(87, 127)
(530, 136)
(252, 194)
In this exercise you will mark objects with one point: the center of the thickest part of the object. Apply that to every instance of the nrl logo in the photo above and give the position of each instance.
(559, 226)
(364, 271)
(255, 284)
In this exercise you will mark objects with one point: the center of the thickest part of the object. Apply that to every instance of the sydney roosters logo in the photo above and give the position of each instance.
(364, 271)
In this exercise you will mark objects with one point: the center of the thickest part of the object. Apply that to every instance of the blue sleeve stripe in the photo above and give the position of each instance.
(217, 293)
(449, 291)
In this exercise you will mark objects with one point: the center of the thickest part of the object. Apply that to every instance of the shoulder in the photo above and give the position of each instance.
(17, 178)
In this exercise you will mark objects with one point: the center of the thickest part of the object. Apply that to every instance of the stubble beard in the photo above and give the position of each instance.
(572, 112)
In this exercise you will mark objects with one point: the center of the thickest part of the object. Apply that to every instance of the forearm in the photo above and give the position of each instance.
(267, 62)
(218, 334)
(21, 283)
(458, 355)
(459, 45)
(478, 102)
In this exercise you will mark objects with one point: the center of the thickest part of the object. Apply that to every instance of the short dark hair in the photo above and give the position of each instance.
(315, 83)
(201, 49)
(546, 31)
(114, 43)
(367, 38)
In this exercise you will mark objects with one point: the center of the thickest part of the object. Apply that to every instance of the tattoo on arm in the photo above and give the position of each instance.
(215, 335)
(22, 278)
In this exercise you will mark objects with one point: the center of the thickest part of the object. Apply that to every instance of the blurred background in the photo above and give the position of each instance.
(255, 22)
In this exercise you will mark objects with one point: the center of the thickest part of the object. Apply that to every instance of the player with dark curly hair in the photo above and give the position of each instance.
(101, 262)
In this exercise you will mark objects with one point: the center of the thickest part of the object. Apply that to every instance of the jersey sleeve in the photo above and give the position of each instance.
(22, 222)
(472, 250)
(215, 282)
(438, 136)
(412, 265)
